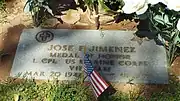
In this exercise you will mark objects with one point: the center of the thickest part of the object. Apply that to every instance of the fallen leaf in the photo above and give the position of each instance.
(16, 97)
(71, 16)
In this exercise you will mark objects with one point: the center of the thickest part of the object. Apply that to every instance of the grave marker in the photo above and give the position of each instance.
(48, 54)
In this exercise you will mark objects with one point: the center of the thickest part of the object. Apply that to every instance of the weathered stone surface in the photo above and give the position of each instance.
(57, 54)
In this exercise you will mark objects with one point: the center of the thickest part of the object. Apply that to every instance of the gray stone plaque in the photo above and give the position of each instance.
(49, 54)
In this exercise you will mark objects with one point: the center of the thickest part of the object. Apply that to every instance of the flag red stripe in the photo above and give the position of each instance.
(98, 81)
(95, 80)
(95, 87)
(95, 92)
(104, 83)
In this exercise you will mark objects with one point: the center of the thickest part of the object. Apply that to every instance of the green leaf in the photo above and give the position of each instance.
(166, 19)
(101, 2)
(89, 3)
(176, 37)
(159, 19)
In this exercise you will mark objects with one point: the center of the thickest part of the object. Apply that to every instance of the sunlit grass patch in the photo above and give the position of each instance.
(2, 4)
(29, 90)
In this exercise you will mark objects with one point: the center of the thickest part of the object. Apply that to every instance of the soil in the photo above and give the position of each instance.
(15, 20)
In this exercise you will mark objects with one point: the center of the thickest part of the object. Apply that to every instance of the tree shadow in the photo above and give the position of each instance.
(167, 91)
(57, 7)
(10, 43)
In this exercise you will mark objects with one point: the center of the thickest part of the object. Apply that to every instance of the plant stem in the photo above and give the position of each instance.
(97, 16)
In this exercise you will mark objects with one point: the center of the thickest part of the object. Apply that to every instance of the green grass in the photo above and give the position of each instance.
(3, 12)
(170, 92)
(29, 90)
(2, 4)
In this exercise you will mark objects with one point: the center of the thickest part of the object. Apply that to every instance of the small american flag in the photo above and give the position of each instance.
(98, 83)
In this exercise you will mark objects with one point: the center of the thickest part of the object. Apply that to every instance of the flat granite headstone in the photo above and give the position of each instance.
(57, 54)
